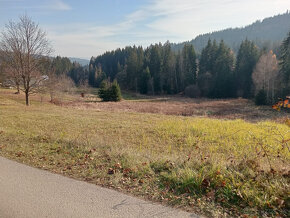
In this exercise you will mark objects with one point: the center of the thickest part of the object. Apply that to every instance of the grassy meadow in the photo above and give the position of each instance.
(215, 167)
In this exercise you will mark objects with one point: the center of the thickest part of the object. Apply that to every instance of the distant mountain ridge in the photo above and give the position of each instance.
(82, 62)
(266, 33)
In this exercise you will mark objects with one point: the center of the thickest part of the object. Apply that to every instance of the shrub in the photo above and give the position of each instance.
(110, 92)
(192, 91)
(261, 97)
(103, 90)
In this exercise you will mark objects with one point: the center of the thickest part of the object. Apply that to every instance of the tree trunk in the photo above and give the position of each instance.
(136, 84)
(18, 89)
(51, 96)
(27, 98)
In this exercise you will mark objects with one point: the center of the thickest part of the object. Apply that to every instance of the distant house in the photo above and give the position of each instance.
(7, 83)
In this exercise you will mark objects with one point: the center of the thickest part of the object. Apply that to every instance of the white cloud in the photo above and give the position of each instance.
(47, 5)
(59, 5)
(160, 20)
(81, 40)
(184, 19)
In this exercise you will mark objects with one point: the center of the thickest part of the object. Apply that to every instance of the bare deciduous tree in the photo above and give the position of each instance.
(23, 45)
(55, 84)
(51, 85)
(266, 75)
(1, 71)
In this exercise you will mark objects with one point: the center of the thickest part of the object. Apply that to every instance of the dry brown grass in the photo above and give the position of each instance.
(169, 105)
(176, 105)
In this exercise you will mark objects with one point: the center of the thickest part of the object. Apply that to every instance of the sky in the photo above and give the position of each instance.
(86, 28)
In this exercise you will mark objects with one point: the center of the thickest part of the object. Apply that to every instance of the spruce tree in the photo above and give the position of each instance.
(92, 75)
(167, 69)
(103, 90)
(206, 68)
(155, 67)
(189, 65)
(261, 97)
(110, 92)
(132, 68)
(144, 81)
(205, 58)
(247, 58)
(285, 65)
(222, 87)
(115, 92)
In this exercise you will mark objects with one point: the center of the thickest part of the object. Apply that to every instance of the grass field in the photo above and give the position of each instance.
(216, 167)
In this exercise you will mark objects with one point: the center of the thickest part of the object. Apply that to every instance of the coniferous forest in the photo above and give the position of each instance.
(217, 72)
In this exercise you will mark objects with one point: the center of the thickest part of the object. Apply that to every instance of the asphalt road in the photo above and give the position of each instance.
(26, 192)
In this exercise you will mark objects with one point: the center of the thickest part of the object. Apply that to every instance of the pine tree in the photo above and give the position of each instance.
(222, 86)
(92, 75)
(178, 75)
(189, 65)
(144, 81)
(247, 58)
(261, 97)
(110, 92)
(167, 69)
(205, 58)
(206, 68)
(132, 68)
(115, 92)
(285, 65)
(102, 92)
(155, 67)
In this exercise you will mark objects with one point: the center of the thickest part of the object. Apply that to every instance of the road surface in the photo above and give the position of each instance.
(26, 192)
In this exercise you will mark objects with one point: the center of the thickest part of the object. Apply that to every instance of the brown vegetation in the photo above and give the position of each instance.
(181, 106)
(168, 105)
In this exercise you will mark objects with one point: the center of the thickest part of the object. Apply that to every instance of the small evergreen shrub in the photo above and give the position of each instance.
(110, 92)
(103, 90)
(115, 92)
(261, 98)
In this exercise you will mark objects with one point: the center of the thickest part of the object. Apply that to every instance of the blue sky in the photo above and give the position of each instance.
(85, 28)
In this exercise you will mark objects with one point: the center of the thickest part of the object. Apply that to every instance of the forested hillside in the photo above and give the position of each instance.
(266, 33)
(217, 73)
(230, 63)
